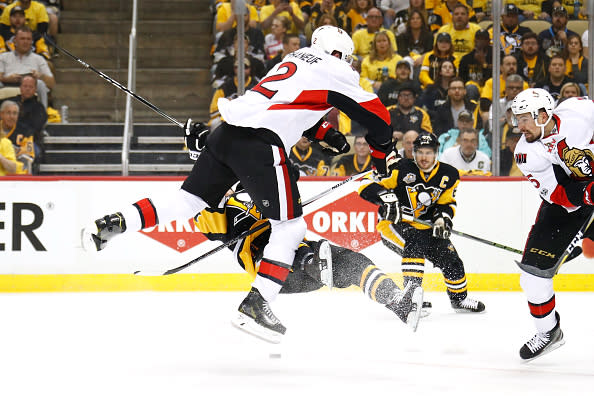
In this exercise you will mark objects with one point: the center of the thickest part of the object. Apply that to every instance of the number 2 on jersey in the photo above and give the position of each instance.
(269, 93)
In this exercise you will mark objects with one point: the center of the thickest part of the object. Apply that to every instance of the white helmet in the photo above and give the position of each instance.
(330, 39)
(531, 101)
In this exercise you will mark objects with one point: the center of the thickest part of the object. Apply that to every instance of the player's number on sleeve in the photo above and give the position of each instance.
(290, 67)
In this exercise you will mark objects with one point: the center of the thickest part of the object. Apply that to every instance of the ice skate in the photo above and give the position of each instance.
(408, 305)
(468, 305)
(323, 258)
(95, 236)
(543, 343)
(256, 318)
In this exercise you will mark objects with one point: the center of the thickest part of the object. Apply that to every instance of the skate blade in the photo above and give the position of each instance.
(468, 311)
(86, 238)
(546, 351)
(249, 325)
(412, 320)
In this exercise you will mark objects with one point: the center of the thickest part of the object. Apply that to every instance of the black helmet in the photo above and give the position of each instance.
(426, 140)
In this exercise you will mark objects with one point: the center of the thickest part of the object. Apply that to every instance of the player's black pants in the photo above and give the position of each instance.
(550, 235)
(420, 245)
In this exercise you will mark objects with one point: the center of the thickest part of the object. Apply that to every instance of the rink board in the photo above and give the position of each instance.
(41, 218)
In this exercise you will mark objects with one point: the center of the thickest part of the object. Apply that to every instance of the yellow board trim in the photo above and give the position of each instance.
(242, 281)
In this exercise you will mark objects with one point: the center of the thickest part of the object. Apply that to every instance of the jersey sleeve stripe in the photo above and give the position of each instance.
(315, 100)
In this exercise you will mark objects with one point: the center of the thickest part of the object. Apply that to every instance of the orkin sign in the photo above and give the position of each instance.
(178, 236)
(349, 222)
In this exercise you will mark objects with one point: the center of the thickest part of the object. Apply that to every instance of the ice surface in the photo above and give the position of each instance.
(337, 343)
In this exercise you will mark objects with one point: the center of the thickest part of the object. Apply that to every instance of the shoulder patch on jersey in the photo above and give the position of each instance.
(409, 178)
(580, 162)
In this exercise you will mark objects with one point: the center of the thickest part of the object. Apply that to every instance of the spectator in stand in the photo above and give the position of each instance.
(226, 18)
(514, 84)
(573, 12)
(354, 19)
(443, 13)
(556, 77)
(352, 164)
(17, 19)
(32, 114)
(273, 42)
(363, 38)
(437, 93)
(511, 31)
(461, 30)
(52, 7)
(509, 66)
(405, 116)
(224, 69)
(286, 8)
(442, 50)
(466, 157)
(446, 114)
(576, 65)
(15, 64)
(22, 139)
(388, 91)
(532, 63)
(482, 10)
(532, 9)
(569, 90)
(8, 162)
(407, 144)
(227, 40)
(450, 138)
(318, 10)
(585, 42)
(229, 90)
(381, 62)
(291, 43)
(309, 158)
(510, 136)
(554, 39)
(35, 14)
(476, 66)
(394, 11)
(416, 40)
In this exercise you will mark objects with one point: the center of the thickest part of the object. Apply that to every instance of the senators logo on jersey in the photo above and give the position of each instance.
(580, 162)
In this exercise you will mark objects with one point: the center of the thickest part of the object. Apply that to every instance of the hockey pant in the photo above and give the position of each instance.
(415, 246)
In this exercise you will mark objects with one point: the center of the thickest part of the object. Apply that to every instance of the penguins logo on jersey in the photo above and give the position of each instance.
(580, 162)
(246, 207)
(421, 198)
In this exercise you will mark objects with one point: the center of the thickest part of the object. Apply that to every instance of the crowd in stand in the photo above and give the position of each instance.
(26, 81)
(429, 61)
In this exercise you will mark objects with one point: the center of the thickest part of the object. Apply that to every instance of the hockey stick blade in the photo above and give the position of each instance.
(474, 238)
(245, 233)
(114, 82)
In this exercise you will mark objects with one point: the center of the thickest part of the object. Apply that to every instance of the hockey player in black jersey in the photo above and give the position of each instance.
(422, 188)
(316, 263)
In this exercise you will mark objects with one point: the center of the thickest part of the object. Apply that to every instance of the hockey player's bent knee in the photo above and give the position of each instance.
(285, 236)
(536, 287)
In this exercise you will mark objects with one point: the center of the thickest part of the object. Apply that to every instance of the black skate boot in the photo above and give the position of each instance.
(96, 236)
(543, 343)
(256, 318)
(407, 305)
(467, 305)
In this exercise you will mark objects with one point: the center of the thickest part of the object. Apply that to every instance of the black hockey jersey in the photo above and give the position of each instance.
(312, 162)
(420, 195)
(347, 165)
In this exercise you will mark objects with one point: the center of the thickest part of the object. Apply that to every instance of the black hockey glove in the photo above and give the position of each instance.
(337, 142)
(442, 225)
(195, 134)
(389, 209)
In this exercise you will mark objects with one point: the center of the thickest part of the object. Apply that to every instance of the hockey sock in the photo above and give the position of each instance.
(541, 300)
(456, 288)
(377, 285)
(413, 269)
(270, 278)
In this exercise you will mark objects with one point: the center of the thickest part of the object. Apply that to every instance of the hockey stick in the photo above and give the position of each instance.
(245, 233)
(115, 83)
(474, 238)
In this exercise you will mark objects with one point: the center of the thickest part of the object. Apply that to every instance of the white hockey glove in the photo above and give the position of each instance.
(389, 209)
(442, 226)
(195, 137)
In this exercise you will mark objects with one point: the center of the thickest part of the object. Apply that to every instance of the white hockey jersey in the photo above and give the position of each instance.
(453, 156)
(299, 91)
(568, 150)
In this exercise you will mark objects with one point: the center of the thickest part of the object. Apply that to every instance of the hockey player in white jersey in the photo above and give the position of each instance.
(251, 146)
(556, 154)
